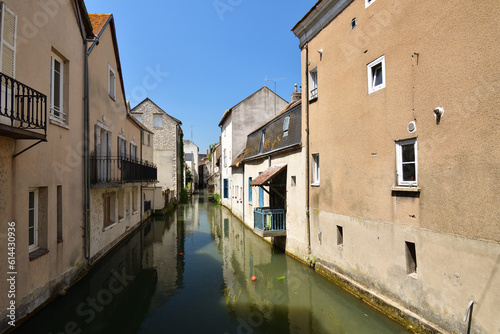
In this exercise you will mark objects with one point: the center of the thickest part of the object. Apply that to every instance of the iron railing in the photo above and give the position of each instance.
(120, 170)
(269, 220)
(22, 106)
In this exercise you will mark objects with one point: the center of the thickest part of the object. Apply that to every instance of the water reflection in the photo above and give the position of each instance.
(190, 272)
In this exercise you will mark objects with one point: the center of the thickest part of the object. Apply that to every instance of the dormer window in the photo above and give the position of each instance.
(111, 82)
(286, 123)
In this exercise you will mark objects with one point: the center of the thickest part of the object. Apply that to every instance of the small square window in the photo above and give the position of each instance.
(340, 236)
(376, 75)
(354, 23)
(157, 121)
(315, 169)
(407, 163)
(111, 82)
(411, 258)
(313, 83)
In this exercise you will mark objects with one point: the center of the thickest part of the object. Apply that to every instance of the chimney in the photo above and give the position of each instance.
(296, 96)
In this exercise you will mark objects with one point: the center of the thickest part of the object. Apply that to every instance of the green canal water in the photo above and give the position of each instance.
(190, 272)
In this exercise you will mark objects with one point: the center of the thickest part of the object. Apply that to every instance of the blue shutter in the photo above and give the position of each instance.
(249, 190)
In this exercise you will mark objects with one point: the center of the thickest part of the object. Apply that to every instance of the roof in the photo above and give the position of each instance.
(84, 17)
(142, 126)
(99, 21)
(264, 178)
(228, 111)
(147, 99)
(273, 136)
(239, 158)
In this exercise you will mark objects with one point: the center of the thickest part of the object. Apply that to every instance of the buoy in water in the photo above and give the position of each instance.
(254, 278)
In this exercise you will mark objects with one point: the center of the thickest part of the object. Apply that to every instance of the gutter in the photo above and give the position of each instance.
(308, 217)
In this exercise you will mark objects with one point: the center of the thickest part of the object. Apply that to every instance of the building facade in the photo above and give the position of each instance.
(236, 123)
(191, 158)
(166, 145)
(399, 105)
(41, 170)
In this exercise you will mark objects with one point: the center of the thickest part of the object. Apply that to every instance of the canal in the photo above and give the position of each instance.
(190, 272)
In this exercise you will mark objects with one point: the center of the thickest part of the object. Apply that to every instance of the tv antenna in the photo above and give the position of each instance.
(275, 81)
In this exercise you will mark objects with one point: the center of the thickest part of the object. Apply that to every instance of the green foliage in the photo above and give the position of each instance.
(217, 198)
(184, 196)
(189, 176)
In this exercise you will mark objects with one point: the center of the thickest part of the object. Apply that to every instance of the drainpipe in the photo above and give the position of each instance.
(308, 218)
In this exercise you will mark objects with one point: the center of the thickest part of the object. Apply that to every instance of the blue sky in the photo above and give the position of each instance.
(197, 58)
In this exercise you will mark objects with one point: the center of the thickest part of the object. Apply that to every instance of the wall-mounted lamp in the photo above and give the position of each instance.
(104, 118)
(320, 51)
(438, 113)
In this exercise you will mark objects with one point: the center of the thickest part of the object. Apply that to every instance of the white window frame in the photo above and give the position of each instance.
(133, 151)
(122, 149)
(4, 43)
(62, 115)
(370, 73)
(155, 117)
(286, 125)
(315, 170)
(313, 83)
(34, 246)
(368, 3)
(111, 82)
(399, 160)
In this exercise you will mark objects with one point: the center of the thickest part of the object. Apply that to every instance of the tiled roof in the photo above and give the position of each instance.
(98, 22)
(264, 178)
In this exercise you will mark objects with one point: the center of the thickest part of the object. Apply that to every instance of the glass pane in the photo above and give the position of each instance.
(31, 218)
(57, 91)
(377, 75)
(408, 153)
(32, 199)
(31, 236)
(409, 172)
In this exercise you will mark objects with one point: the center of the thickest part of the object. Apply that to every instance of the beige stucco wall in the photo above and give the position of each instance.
(296, 241)
(437, 54)
(42, 29)
(112, 115)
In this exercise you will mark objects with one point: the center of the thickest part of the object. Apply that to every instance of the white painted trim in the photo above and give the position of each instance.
(369, 2)
(399, 161)
(112, 94)
(34, 246)
(369, 67)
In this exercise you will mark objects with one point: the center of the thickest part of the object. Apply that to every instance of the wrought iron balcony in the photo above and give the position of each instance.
(117, 170)
(23, 110)
(269, 222)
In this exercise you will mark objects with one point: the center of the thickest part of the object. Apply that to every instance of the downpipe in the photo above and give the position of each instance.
(308, 218)
(468, 315)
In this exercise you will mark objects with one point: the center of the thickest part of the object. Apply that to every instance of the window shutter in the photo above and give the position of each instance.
(97, 138)
(8, 44)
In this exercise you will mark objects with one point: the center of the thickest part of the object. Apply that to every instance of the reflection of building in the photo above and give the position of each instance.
(405, 128)
(213, 180)
(191, 158)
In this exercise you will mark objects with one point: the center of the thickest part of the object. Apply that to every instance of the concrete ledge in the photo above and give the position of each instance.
(393, 310)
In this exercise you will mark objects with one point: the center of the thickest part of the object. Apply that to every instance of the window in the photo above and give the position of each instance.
(411, 258)
(313, 83)
(109, 209)
(226, 188)
(146, 138)
(340, 236)
(368, 2)
(122, 150)
(376, 74)
(133, 151)
(249, 190)
(315, 169)
(56, 89)
(406, 154)
(138, 117)
(103, 152)
(225, 162)
(134, 200)
(121, 204)
(111, 82)
(8, 41)
(262, 141)
(59, 214)
(286, 123)
(157, 121)
(33, 219)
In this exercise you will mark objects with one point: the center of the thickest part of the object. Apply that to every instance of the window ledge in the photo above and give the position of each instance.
(108, 227)
(38, 253)
(412, 189)
(121, 220)
(313, 99)
(413, 275)
(56, 121)
(135, 212)
(314, 184)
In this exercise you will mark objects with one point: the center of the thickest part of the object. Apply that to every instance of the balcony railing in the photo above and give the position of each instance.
(23, 109)
(105, 170)
(269, 222)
